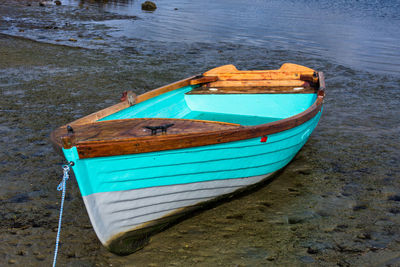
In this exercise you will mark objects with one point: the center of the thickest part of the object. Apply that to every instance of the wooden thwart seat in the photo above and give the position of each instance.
(290, 78)
(206, 90)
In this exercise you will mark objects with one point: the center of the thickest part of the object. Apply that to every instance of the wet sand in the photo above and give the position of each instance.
(336, 204)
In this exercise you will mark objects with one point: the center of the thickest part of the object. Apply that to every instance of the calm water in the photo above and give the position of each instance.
(336, 204)
(360, 34)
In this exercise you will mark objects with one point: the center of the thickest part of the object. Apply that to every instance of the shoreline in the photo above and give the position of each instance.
(337, 203)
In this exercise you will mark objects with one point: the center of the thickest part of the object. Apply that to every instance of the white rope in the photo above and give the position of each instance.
(61, 187)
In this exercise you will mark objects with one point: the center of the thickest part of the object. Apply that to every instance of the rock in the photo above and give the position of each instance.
(40, 257)
(44, 3)
(12, 231)
(303, 171)
(265, 203)
(364, 236)
(350, 189)
(149, 6)
(11, 261)
(307, 259)
(238, 216)
(313, 250)
(361, 206)
(19, 198)
(341, 228)
(21, 253)
(301, 217)
(57, 2)
(351, 247)
(394, 197)
(394, 210)
(295, 220)
(316, 247)
(198, 259)
(271, 258)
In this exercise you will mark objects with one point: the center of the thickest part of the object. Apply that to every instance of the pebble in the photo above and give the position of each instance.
(235, 216)
(364, 236)
(352, 247)
(198, 259)
(301, 217)
(12, 231)
(304, 171)
(360, 207)
(11, 261)
(21, 252)
(271, 258)
(40, 257)
(394, 197)
(307, 259)
(291, 189)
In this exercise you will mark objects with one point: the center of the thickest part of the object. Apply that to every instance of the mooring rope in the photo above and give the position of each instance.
(61, 187)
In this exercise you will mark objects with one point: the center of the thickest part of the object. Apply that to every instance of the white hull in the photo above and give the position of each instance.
(114, 214)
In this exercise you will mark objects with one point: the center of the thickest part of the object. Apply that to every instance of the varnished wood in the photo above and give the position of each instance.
(119, 137)
(129, 129)
(56, 138)
(203, 79)
(68, 141)
(101, 113)
(221, 69)
(124, 104)
(252, 83)
(287, 68)
(203, 90)
(164, 89)
(168, 142)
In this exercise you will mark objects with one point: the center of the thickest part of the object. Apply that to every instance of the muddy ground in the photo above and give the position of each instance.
(336, 204)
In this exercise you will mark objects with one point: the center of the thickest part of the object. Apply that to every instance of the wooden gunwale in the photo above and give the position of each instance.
(145, 144)
(56, 140)
(169, 142)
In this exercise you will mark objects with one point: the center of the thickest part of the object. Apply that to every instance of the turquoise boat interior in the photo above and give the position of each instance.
(244, 109)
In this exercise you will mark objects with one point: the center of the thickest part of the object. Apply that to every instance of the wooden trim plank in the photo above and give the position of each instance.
(252, 83)
(169, 142)
(127, 145)
(203, 90)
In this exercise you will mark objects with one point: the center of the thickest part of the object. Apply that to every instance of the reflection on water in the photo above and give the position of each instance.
(361, 34)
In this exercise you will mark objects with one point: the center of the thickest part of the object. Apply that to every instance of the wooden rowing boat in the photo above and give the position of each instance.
(148, 160)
